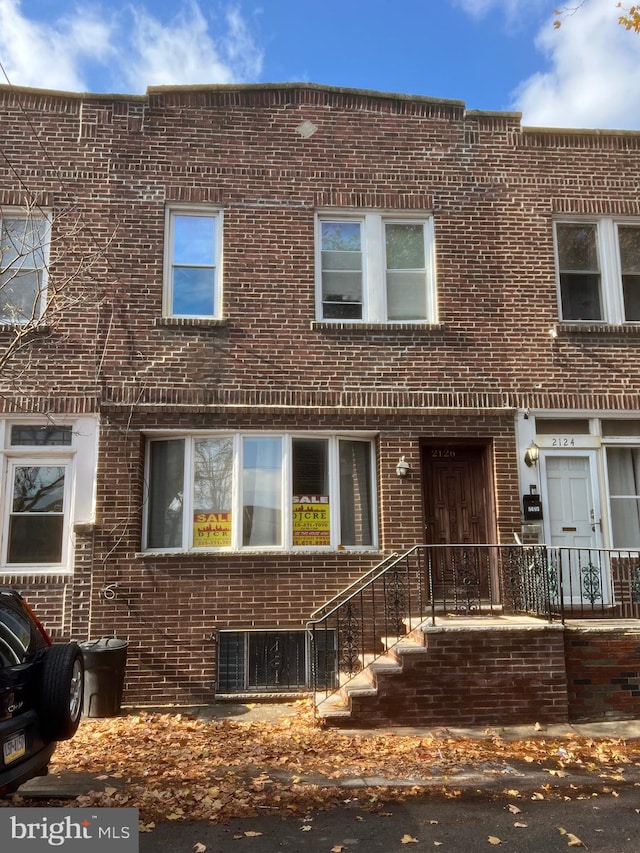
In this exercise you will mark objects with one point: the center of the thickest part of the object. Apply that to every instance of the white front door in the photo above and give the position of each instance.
(572, 521)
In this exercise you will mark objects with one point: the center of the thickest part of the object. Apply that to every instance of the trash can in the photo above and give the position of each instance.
(105, 661)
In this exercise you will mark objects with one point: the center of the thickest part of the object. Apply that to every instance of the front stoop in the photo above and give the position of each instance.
(466, 672)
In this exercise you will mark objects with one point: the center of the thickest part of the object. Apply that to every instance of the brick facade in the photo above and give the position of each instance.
(107, 166)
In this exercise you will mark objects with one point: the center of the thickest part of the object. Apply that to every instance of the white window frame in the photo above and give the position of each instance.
(610, 268)
(79, 460)
(40, 301)
(285, 544)
(185, 210)
(374, 267)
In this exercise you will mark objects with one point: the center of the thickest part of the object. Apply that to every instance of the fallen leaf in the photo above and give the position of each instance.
(251, 834)
(408, 839)
(492, 839)
(306, 828)
(338, 848)
(199, 847)
(520, 825)
(514, 809)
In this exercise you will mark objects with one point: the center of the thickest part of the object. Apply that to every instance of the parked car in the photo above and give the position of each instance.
(41, 685)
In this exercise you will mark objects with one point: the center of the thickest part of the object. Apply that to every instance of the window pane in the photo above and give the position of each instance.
(20, 295)
(212, 492)
(23, 243)
(341, 270)
(166, 494)
(623, 465)
(356, 510)
(311, 516)
(37, 436)
(193, 291)
(580, 296)
(406, 296)
(38, 488)
(341, 237)
(405, 246)
(579, 271)
(629, 243)
(194, 240)
(577, 247)
(35, 539)
(262, 491)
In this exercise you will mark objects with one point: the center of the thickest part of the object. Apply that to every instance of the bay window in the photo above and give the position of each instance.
(260, 491)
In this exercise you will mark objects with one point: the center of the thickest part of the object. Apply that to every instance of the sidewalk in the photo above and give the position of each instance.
(68, 785)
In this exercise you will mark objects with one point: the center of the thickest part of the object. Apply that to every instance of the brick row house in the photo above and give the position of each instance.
(255, 339)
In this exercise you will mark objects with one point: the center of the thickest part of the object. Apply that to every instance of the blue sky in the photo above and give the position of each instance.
(491, 54)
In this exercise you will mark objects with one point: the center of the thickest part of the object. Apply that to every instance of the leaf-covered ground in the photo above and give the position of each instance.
(177, 767)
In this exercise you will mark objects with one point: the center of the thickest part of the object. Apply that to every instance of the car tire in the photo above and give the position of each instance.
(61, 689)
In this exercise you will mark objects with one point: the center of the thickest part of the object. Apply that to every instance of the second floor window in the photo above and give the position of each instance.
(24, 239)
(375, 268)
(599, 270)
(193, 247)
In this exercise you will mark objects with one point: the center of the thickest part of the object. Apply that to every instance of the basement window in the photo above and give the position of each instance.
(269, 661)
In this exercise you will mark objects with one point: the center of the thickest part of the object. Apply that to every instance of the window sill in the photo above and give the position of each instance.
(359, 326)
(204, 552)
(190, 322)
(591, 327)
(34, 328)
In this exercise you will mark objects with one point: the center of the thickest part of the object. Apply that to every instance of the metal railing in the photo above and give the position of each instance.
(378, 611)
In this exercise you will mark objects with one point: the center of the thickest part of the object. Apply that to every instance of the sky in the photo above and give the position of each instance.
(491, 54)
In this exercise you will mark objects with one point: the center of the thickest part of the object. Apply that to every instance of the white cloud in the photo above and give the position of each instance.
(184, 52)
(594, 75)
(49, 56)
(126, 48)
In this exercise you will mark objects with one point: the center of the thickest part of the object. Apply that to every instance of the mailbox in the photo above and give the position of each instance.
(532, 506)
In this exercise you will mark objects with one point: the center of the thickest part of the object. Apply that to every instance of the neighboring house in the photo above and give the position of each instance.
(274, 297)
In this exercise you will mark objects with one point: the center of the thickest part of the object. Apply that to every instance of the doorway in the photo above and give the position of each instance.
(458, 514)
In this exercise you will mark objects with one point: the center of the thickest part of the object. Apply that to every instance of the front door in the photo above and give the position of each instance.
(458, 514)
(457, 501)
(572, 522)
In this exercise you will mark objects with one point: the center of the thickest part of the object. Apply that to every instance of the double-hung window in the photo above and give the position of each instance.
(37, 483)
(260, 491)
(598, 264)
(193, 255)
(375, 268)
(24, 248)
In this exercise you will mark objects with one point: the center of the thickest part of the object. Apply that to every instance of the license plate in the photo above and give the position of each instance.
(14, 748)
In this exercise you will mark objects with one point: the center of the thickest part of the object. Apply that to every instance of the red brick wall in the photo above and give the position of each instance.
(603, 672)
(474, 677)
(108, 166)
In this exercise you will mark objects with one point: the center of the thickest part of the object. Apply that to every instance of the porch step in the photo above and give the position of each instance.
(336, 708)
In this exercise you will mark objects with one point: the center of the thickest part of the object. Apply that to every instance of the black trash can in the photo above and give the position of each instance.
(105, 661)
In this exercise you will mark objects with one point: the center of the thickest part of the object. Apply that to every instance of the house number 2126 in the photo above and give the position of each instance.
(563, 442)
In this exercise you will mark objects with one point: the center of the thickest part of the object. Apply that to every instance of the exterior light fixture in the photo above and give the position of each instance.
(532, 454)
(402, 468)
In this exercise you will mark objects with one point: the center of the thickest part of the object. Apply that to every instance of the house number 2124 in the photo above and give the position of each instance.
(563, 442)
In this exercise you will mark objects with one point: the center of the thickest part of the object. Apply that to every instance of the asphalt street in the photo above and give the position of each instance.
(474, 821)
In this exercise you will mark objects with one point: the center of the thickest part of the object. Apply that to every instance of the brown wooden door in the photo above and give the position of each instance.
(456, 505)
(458, 512)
